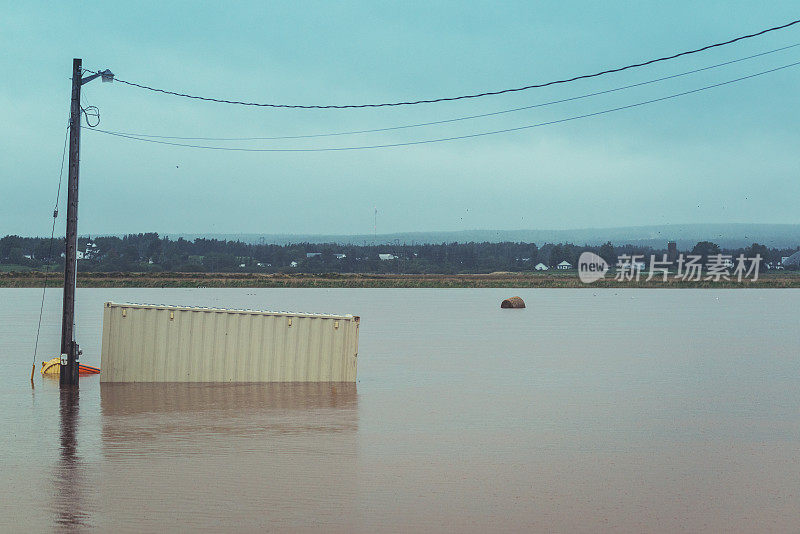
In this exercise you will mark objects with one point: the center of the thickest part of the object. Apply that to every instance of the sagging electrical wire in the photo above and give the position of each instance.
(50, 253)
(453, 138)
(468, 117)
(462, 97)
(91, 113)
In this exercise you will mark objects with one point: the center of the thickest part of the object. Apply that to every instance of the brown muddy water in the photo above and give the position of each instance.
(591, 410)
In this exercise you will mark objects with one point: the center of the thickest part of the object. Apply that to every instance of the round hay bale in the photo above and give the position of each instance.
(513, 302)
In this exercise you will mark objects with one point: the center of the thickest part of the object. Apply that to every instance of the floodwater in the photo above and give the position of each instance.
(591, 410)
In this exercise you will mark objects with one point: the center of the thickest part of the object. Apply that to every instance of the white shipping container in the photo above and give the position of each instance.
(149, 343)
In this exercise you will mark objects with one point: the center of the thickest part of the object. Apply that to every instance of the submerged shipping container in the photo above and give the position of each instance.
(149, 343)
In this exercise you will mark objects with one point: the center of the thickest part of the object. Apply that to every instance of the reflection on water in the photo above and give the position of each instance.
(254, 455)
(180, 418)
(69, 504)
(183, 453)
(245, 399)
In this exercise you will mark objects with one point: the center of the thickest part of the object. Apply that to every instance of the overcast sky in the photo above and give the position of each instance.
(729, 154)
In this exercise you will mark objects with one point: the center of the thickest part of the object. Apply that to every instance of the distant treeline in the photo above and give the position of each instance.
(151, 253)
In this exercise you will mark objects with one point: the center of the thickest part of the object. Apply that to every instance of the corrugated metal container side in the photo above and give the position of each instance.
(149, 343)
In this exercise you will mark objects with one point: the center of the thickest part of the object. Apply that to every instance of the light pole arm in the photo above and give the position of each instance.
(107, 75)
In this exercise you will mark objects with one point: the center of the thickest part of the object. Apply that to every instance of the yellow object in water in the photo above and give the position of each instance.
(52, 367)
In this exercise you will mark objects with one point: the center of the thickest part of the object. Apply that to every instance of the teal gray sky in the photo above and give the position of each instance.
(728, 154)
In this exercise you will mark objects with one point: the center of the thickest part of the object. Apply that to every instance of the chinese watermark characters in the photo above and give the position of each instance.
(685, 268)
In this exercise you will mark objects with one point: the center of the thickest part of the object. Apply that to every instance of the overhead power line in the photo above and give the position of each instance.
(462, 97)
(453, 138)
(468, 117)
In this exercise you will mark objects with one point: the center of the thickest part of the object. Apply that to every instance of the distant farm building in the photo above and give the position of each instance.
(90, 253)
(385, 257)
(541, 267)
(313, 254)
(564, 265)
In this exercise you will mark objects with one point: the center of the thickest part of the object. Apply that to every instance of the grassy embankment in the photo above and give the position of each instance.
(782, 279)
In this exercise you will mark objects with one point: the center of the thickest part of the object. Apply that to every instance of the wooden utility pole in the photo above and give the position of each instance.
(69, 368)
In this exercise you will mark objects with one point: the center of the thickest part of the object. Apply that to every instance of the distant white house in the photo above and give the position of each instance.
(81, 255)
(313, 254)
(293, 264)
(564, 265)
(241, 265)
(340, 256)
(541, 267)
(91, 251)
(385, 257)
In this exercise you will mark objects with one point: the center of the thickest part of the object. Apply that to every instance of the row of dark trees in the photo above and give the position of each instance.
(150, 252)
